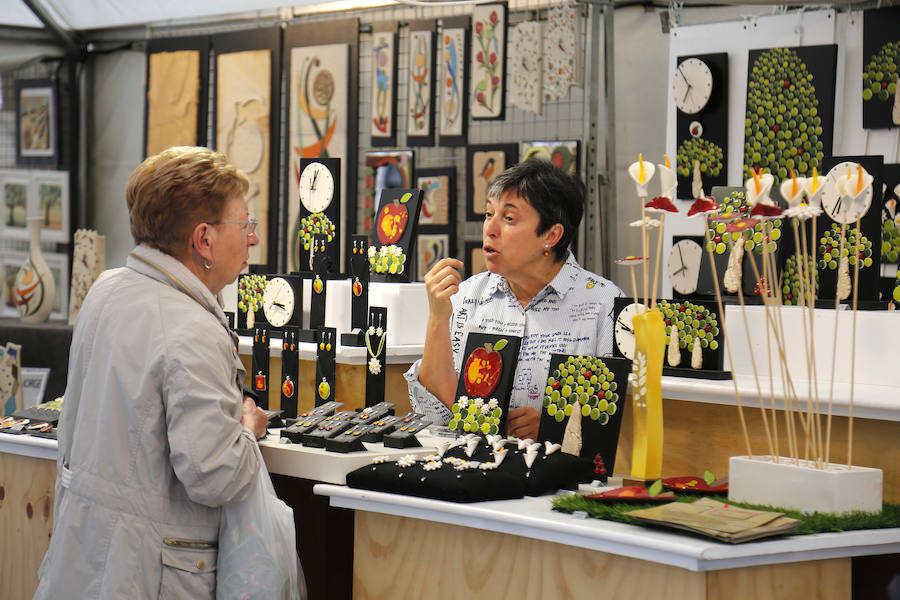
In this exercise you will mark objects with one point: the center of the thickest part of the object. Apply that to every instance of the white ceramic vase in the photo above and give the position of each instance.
(35, 290)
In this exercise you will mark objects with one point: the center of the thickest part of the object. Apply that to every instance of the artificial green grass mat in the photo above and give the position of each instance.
(809, 523)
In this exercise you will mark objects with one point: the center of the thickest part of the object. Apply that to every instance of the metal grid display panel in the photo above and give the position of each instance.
(562, 119)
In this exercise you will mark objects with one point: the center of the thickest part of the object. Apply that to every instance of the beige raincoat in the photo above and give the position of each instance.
(150, 440)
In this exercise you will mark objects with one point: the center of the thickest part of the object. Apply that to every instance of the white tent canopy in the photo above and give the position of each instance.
(100, 14)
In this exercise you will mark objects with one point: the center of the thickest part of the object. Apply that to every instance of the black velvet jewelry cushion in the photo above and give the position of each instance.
(548, 473)
(444, 483)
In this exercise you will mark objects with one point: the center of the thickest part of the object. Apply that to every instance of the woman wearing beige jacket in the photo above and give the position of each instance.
(155, 434)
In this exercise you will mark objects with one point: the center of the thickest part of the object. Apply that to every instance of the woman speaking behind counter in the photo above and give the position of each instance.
(533, 288)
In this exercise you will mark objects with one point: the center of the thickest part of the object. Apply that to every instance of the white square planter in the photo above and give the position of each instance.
(832, 489)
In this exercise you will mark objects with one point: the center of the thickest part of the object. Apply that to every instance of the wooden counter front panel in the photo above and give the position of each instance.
(26, 521)
(404, 558)
(700, 436)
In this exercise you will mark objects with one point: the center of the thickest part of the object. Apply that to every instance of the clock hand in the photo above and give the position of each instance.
(681, 256)
(683, 268)
(837, 207)
(625, 327)
(279, 305)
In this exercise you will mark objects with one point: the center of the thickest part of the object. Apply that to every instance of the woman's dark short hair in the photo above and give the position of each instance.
(557, 196)
(171, 192)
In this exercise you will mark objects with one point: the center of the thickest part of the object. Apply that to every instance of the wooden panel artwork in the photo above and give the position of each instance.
(172, 100)
(26, 520)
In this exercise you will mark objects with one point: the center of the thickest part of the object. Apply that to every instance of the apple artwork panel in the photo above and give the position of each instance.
(485, 384)
(396, 223)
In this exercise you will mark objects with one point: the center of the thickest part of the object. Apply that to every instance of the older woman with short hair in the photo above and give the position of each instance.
(155, 435)
(533, 288)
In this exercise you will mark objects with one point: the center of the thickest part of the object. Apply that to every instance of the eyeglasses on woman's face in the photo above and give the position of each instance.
(249, 227)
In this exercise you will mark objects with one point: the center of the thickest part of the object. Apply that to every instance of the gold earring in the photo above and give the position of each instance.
(546, 250)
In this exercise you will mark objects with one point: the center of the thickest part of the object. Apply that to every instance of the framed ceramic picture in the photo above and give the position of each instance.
(37, 141)
(59, 266)
(430, 248)
(420, 84)
(562, 154)
(50, 199)
(452, 89)
(487, 57)
(439, 202)
(177, 90)
(322, 64)
(10, 263)
(245, 123)
(383, 124)
(474, 258)
(484, 162)
(383, 170)
(15, 190)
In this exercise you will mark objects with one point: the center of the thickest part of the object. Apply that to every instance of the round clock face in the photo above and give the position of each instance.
(278, 302)
(684, 266)
(692, 85)
(843, 208)
(316, 187)
(625, 331)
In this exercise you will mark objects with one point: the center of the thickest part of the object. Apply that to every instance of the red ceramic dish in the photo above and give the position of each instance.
(631, 493)
(694, 485)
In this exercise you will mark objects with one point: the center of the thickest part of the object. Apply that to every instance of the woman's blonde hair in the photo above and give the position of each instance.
(171, 192)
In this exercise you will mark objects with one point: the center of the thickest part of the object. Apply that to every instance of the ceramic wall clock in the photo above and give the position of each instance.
(562, 50)
(862, 237)
(246, 105)
(319, 191)
(282, 301)
(177, 91)
(526, 65)
(487, 68)
(452, 87)
(624, 330)
(683, 265)
(583, 405)
(700, 95)
(384, 84)
(485, 383)
(420, 84)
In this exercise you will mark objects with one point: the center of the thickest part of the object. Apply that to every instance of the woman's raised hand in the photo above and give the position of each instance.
(441, 282)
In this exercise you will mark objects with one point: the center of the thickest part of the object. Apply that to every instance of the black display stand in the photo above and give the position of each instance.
(289, 373)
(376, 355)
(325, 365)
(259, 377)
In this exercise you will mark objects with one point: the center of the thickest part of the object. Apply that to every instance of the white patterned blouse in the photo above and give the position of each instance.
(573, 314)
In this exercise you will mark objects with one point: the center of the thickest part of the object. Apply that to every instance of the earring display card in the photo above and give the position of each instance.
(376, 355)
(319, 284)
(329, 427)
(308, 420)
(359, 286)
(600, 404)
(485, 384)
(289, 373)
(260, 366)
(325, 365)
(404, 436)
(396, 223)
(375, 412)
(350, 440)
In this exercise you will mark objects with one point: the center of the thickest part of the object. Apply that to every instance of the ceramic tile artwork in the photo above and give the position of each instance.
(14, 199)
(562, 48)
(436, 202)
(51, 201)
(525, 66)
(37, 113)
(452, 85)
(487, 61)
(383, 73)
(242, 129)
(563, 154)
(318, 122)
(420, 85)
(430, 249)
(172, 110)
(485, 166)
